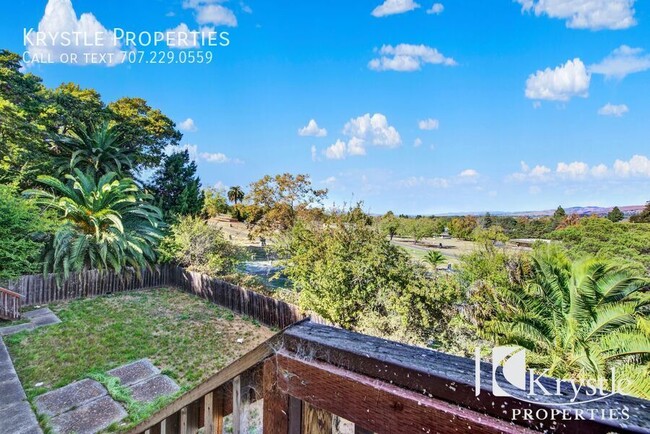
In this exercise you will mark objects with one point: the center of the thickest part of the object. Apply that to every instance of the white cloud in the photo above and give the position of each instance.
(468, 173)
(636, 167)
(213, 13)
(245, 8)
(216, 15)
(417, 142)
(575, 170)
(613, 110)
(621, 62)
(436, 9)
(312, 129)
(330, 180)
(363, 130)
(374, 129)
(561, 83)
(59, 18)
(407, 58)
(337, 151)
(209, 157)
(314, 153)
(188, 125)
(429, 124)
(586, 14)
(392, 7)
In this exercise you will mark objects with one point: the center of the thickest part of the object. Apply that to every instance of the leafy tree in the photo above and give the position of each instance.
(615, 215)
(462, 227)
(198, 246)
(594, 236)
(96, 148)
(176, 186)
(277, 202)
(434, 258)
(419, 228)
(236, 194)
(214, 202)
(22, 234)
(71, 107)
(559, 214)
(146, 131)
(577, 318)
(352, 275)
(389, 224)
(487, 221)
(106, 223)
(643, 216)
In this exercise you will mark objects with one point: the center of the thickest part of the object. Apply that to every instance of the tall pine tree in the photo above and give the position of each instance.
(176, 187)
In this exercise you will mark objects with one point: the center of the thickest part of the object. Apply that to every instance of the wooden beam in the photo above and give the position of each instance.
(315, 420)
(295, 415)
(276, 403)
(236, 405)
(377, 406)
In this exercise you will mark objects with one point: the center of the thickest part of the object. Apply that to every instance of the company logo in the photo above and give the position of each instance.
(512, 378)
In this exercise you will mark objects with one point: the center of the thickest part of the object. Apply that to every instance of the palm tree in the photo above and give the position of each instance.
(108, 223)
(98, 148)
(235, 194)
(577, 318)
(435, 258)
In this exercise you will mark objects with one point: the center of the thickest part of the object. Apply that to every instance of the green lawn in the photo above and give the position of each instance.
(186, 337)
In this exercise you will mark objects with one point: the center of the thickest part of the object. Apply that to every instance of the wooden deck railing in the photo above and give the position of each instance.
(10, 303)
(310, 376)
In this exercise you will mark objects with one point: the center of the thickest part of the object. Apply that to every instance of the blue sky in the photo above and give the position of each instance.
(499, 132)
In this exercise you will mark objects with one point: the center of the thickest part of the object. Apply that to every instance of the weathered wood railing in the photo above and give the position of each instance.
(10, 303)
(39, 289)
(310, 376)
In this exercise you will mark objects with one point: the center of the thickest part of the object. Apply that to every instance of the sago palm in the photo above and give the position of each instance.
(434, 258)
(107, 223)
(577, 318)
(98, 148)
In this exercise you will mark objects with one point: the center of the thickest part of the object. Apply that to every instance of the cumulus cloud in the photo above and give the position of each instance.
(616, 110)
(210, 12)
(363, 130)
(468, 173)
(312, 129)
(636, 167)
(436, 9)
(621, 62)
(188, 125)
(392, 7)
(429, 124)
(196, 155)
(408, 58)
(585, 14)
(561, 83)
(421, 181)
(60, 17)
(417, 142)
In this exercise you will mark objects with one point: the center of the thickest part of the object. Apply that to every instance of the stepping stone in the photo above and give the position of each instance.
(90, 418)
(12, 392)
(153, 388)
(37, 312)
(6, 331)
(134, 372)
(18, 419)
(44, 320)
(73, 395)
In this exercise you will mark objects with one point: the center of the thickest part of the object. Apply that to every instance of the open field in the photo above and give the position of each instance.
(452, 248)
(188, 338)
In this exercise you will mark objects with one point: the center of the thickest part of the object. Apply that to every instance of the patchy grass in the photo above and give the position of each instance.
(188, 338)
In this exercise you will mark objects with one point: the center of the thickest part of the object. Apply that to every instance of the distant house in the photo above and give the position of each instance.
(528, 242)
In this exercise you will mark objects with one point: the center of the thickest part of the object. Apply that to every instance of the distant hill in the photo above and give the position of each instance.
(579, 210)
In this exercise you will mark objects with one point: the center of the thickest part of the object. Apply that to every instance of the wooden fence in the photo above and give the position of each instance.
(40, 289)
(9, 305)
